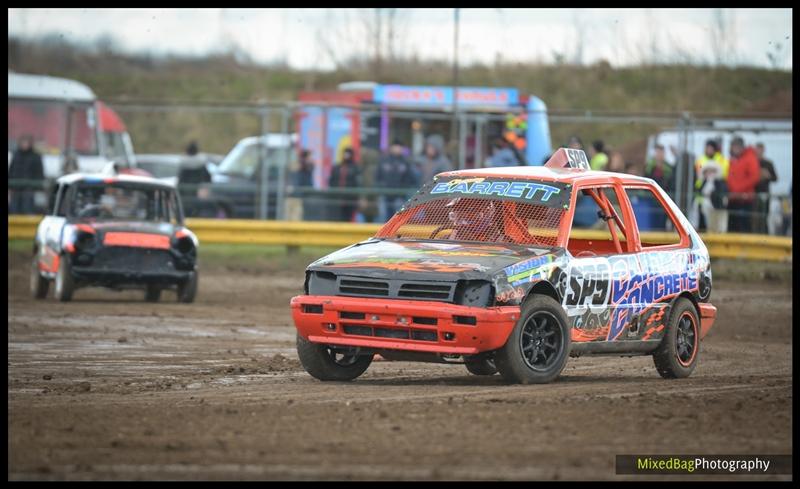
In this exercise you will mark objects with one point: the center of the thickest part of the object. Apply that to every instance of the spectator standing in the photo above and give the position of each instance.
(710, 155)
(743, 176)
(767, 175)
(26, 164)
(714, 202)
(433, 160)
(660, 171)
(300, 179)
(575, 142)
(598, 159)
(192, 173)
(616, 163)
(502, 155)
(394, 172)
(631, 168)
(346, 175)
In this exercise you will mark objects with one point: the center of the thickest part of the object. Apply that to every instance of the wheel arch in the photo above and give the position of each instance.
(687, 295)
(543, 287)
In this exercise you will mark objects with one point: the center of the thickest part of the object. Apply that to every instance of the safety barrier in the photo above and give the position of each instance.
(334, 234)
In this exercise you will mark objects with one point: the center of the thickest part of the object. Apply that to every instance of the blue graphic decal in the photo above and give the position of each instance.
(519, 190)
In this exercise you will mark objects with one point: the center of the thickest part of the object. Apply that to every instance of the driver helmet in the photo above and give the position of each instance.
(473, 214)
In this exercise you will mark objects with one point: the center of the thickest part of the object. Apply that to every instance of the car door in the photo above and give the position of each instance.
(50, 230)
(665, 262)
(601, 256)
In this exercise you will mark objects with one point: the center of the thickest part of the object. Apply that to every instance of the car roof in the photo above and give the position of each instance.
(77, 177)
(22, 85)
(271, 140)
(164, 158)
(562, 175)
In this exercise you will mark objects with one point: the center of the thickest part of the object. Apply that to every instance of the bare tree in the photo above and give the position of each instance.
(580, 38)
(776, 54)
(369, 39)
(653, 32)
(336, 37)
(723, 36)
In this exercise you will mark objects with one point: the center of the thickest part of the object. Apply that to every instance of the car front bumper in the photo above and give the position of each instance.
(708, 314)
(128, 276)
(419, 326)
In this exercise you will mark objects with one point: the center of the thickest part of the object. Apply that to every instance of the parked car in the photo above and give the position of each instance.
(190, 175)
(166, 166)
(487, 267)
(237, 184)
(119, 232)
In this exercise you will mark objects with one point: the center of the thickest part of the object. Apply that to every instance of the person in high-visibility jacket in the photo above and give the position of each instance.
(598, 159)
(713, 155)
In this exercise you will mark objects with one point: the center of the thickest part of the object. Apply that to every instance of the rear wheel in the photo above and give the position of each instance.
(39, 284)
(152, 293)
(480, 365)
(539, 344)
(676, 355)
(325, 363)
(188, 290)
(65, 285)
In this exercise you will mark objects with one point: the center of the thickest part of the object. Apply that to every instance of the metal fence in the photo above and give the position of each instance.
(269, 187)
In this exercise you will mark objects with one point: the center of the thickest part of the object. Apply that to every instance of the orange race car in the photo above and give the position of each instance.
(513, 270)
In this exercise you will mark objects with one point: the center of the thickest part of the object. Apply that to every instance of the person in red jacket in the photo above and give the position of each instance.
(743, 176)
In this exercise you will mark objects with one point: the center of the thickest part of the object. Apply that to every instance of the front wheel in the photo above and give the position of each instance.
(188, 290)
(325, 363)
(65, 285)
(152, 293)
(538, 347)
(39, 284)
(480, 365)
(676, 355)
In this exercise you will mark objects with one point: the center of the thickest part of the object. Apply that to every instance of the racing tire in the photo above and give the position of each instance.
(538, 347)
(676, 355)
(480, 365)
(188, 290)
(39, 284)
(65, 285)
(323, 363)
(152, 293)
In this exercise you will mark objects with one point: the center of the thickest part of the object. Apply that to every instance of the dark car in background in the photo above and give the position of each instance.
(237, 185)
(189, 174)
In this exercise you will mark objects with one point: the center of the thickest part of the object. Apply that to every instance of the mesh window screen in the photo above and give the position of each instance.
(477, 219)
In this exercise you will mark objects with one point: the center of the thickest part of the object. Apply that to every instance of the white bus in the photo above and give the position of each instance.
(64, 118)
(61, 116)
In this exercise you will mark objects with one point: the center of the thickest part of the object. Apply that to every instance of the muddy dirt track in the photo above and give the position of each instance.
(111, 387)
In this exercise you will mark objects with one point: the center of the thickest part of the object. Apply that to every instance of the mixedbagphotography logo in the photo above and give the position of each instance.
(703, 464)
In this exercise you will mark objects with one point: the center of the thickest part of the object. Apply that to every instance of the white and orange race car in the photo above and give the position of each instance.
(120, 232)
(512, 270)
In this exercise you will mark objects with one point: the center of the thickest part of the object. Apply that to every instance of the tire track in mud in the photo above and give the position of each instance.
(215, 391)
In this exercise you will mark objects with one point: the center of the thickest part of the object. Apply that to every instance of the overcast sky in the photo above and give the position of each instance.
(308, 38)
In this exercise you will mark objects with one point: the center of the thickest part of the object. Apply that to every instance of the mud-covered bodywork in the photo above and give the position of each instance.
(468, 241)
(117, 232)
(606, 298)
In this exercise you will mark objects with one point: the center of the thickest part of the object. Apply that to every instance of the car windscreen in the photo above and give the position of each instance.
(158, 169)
(485, 210)
(243, 160)
(122, 201)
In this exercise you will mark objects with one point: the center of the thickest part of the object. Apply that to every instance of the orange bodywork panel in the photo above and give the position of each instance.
(708, 314)
(421, 326)
(50, 262)
(137, 240)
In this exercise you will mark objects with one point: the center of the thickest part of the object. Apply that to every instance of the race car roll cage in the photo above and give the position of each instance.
(513, 228)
